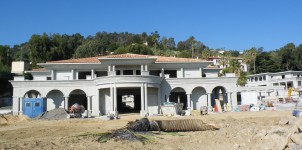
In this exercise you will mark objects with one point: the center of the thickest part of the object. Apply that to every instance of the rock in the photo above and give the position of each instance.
(284, 121)
(261, 134)
(296, 138)
(291, 146)
(236, 146)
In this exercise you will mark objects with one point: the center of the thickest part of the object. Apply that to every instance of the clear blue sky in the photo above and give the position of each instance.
(229, 24)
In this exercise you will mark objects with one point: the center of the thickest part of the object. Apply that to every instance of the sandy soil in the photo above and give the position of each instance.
(238, 130)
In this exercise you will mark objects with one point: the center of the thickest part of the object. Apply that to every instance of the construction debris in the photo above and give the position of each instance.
(144, 125)
(55, 114)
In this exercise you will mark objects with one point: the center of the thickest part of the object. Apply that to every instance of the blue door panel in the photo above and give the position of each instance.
(33, 107)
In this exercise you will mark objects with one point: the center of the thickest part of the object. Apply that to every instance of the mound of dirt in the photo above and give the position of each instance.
(6, 119)
(55, 114)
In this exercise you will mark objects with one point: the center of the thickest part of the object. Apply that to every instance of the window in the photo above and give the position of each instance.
(155, 72)
(138, 72)
(128, 72)
(37, 104)
(118, 72)
(172, 73)
(101, 73)
(27, 104)
(283, 76)
(82, 75)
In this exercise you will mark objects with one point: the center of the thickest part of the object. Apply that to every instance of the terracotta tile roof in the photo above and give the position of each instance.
(175, 59)
(78, 60)
(126, 56)
(40, 69)
(215, 57)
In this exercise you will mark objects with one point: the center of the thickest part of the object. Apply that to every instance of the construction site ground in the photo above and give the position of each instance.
(238, 130)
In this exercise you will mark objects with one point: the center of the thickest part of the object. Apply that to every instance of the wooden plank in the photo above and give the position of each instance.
(217, 102)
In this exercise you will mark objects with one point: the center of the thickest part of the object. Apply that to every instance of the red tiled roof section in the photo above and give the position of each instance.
(126, 56)
(175, 59)
(40, 69)
(78, 60)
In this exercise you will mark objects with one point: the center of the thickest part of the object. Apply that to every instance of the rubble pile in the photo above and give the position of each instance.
(286, 135)
(6, 119)
(55, 114)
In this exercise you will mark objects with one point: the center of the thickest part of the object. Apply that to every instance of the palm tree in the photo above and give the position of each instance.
(192, 41)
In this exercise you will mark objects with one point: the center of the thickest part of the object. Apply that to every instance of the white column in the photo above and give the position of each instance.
(229, 104)
(142, 68)
(182, 72)
(92, 74)
(209, 100)
(115, 98)
(142, 98)
(122, 72)
(66, 98)
(146, 97)
(109, 68)
(146, 67)
(72, 74)
(200, 70)
(168, 98)
(77, 75)
(188, 101)
(113, 67)
(52, 75)
(162, 72)
(111, 98)
(89, 105)
(20, 99)
(158, 99)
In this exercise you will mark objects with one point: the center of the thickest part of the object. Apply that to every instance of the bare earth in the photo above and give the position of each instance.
(238, 130)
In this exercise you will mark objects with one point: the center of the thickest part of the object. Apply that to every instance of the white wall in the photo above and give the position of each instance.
(104, 101)
(192, 73)
(63, 75)
(152, 101)
(249, 97)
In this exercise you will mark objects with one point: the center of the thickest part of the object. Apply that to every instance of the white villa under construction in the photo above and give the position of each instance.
(128, 83)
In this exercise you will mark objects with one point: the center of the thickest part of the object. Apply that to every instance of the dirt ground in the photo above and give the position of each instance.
(238, 130)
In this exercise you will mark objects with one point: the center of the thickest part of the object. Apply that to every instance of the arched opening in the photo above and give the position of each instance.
(55, 99)
(219, 93)
(178, 95)
(199, 98)
(77, 96)
(32, 94)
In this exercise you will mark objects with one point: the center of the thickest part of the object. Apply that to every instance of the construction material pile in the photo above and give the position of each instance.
(144, 125)
(55, 114)
(181, 125)
(7, 119)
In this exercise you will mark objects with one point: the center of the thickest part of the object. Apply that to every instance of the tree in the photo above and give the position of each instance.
(241, 81)
(206, 54)
(171, 43)
(298, 57)
(136, 49)
(89, 49)
(39, 48)
(286, 53)
(192, 41)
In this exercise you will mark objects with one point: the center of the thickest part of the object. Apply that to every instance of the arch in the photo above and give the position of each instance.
(178, 95)
(55, 99)
(32, 94)
(77, 96)
(219, 92)
(199, 97)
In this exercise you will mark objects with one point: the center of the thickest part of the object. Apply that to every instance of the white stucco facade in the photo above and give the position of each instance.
(99, 83)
